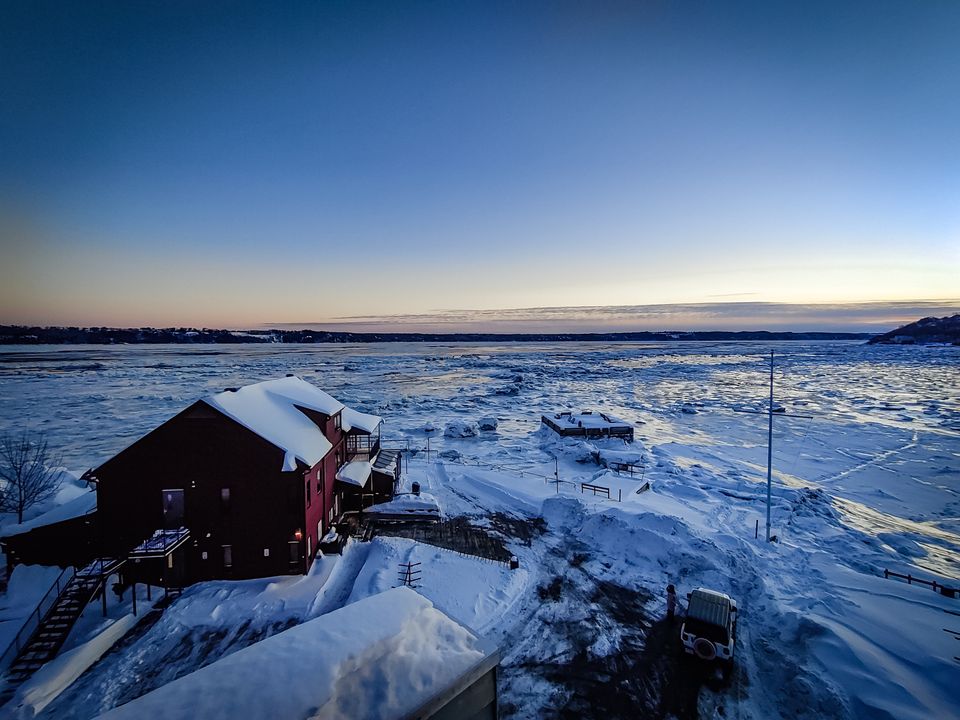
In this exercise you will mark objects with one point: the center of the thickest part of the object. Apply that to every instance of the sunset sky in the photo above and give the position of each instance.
(735, 164)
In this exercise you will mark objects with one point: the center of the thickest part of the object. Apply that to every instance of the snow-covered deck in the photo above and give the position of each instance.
(588, 424)
(160, 544)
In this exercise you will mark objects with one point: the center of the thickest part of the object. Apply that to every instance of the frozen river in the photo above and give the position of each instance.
(883, 428)
(866, 477)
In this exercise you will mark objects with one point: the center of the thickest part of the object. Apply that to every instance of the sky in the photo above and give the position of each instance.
(491, 164)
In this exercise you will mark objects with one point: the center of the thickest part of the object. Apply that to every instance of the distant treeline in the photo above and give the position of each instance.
(20, 335)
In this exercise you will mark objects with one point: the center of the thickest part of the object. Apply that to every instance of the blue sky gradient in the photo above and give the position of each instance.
(235, 164)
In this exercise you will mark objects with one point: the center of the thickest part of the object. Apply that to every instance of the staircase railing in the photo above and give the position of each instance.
(32, 623)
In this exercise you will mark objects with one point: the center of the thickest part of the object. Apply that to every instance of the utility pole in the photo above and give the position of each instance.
(770, 414)
(770, 447)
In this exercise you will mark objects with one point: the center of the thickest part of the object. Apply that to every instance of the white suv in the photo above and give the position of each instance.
(709, 629)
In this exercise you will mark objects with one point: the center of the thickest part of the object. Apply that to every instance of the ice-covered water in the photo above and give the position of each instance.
(883, 429)
(867, 476)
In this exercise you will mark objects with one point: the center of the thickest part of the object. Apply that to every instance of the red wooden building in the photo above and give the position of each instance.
(246, 483)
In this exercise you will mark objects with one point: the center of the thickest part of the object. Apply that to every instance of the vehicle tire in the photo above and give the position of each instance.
(704, 649)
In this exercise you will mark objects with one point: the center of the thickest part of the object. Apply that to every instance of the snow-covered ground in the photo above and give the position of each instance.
(870, 481)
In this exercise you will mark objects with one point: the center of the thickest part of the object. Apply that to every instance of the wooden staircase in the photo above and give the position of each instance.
(51, 631)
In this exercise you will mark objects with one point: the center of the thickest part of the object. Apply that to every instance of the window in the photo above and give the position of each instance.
(320, 483)
(309, 549)
(227, 556)
(319, 530)
(224, 500)
(337, 423)
(309, 494)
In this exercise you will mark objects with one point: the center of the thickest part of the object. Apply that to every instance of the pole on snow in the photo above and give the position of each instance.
(770, 447)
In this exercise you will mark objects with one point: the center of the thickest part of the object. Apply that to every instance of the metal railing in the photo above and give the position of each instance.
(32, 623)
(368, 445)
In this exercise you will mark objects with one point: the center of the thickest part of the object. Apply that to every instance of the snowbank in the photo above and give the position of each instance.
(477, 593)
(380, 657)
(620, 457)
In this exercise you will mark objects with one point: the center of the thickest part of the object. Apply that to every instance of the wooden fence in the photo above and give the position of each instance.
(933, 584)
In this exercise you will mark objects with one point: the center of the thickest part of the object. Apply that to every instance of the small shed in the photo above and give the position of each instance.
(66, 535)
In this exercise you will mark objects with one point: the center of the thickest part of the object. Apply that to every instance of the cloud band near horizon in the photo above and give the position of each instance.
(728, 316)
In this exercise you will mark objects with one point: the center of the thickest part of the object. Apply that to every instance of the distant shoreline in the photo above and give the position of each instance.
(21, 335)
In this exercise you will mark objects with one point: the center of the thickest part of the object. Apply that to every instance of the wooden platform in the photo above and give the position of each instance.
(588, 424)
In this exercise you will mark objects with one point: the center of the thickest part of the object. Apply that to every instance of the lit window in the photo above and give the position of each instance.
(225, 500)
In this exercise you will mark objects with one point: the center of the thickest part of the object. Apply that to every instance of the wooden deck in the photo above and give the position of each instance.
(602, 426)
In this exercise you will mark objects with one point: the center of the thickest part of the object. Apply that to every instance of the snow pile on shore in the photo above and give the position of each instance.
(340, 665)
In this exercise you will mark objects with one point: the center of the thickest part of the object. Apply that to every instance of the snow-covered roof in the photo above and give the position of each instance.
(80, 505)
(387, 462)
(355, 420)
(356, 473)
(423, 504)
(589, 419)
(338, 665)
(269, 409)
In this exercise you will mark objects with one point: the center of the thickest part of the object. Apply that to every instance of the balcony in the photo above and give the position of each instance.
(362, 447)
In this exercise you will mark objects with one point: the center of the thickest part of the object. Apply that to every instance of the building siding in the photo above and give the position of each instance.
(202, 452)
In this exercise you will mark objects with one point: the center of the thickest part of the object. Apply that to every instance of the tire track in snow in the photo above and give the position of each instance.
(879, 458)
